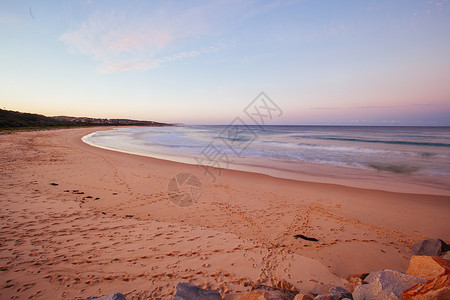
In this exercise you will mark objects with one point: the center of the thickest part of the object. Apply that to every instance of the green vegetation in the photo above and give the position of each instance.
(14, 120)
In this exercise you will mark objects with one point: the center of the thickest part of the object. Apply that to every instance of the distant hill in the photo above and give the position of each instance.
(12, 119)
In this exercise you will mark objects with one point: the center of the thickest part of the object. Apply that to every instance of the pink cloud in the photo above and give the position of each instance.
(108, 42)
(133, 40)
(152, 63)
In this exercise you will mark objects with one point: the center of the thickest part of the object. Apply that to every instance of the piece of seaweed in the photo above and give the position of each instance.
(305, 238)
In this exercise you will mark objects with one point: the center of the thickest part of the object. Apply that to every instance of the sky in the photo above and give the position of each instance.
(203, 62)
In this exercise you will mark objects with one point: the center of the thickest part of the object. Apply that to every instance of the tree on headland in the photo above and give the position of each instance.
(15, 119)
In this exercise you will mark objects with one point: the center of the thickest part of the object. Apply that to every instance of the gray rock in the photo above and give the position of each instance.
(430, 247)
(115, 296)
(185, 291)
(325, 297)
(385, 284)
(447, 256)
(340, 292)
(335, 293)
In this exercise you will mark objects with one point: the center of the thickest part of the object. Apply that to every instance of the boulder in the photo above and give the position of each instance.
(353, 282)
(185, 291)
(260, 295)
(430, 247)
(340, 292)
(115, 296)
(325, 297)
(437, 288)
(385, 284)
(335, 293)
(447, 255)
(303, 297)
(428, 267)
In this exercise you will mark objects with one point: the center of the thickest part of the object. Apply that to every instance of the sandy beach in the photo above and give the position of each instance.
(79, 221)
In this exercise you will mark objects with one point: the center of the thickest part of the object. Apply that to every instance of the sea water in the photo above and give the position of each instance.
(406, 159)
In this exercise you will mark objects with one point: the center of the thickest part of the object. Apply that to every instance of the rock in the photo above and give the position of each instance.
(430, 247)
(115, 296)
(447, 255)
(185, 291)
(437, 288)
(353, 282)
(340, 292)
(281, 288)
(335, 293)
(233, 296)
(260, 295)
(385, 284)
(263, 292)
(303, 297)
(428, 267)
(325, 297)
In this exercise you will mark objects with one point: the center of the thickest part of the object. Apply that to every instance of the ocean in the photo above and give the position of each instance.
(402, 159)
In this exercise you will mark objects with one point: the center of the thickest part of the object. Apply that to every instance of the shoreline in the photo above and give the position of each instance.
(311, 172)
(233, 172)
(80, 221)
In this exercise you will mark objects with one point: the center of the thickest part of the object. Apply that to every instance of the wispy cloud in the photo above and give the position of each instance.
(324, 108)
(376, 106)
(140, 40)
(140, 64)
(391, 106)
(117, 44)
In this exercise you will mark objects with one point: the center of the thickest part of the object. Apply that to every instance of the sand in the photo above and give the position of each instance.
(79, 221)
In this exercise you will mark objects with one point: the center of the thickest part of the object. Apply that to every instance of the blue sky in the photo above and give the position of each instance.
(202, 62)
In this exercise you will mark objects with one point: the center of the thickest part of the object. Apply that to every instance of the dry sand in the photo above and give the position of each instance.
(59, 241)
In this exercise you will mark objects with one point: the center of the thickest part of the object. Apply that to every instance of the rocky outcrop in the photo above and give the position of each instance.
(428, 267)
(437, 288)
(427, 277)
(430, 247)
(385, 284)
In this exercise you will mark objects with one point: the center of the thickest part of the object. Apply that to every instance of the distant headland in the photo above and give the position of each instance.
(15, 120)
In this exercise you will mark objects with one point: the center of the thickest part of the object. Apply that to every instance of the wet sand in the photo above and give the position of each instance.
(79, 221)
